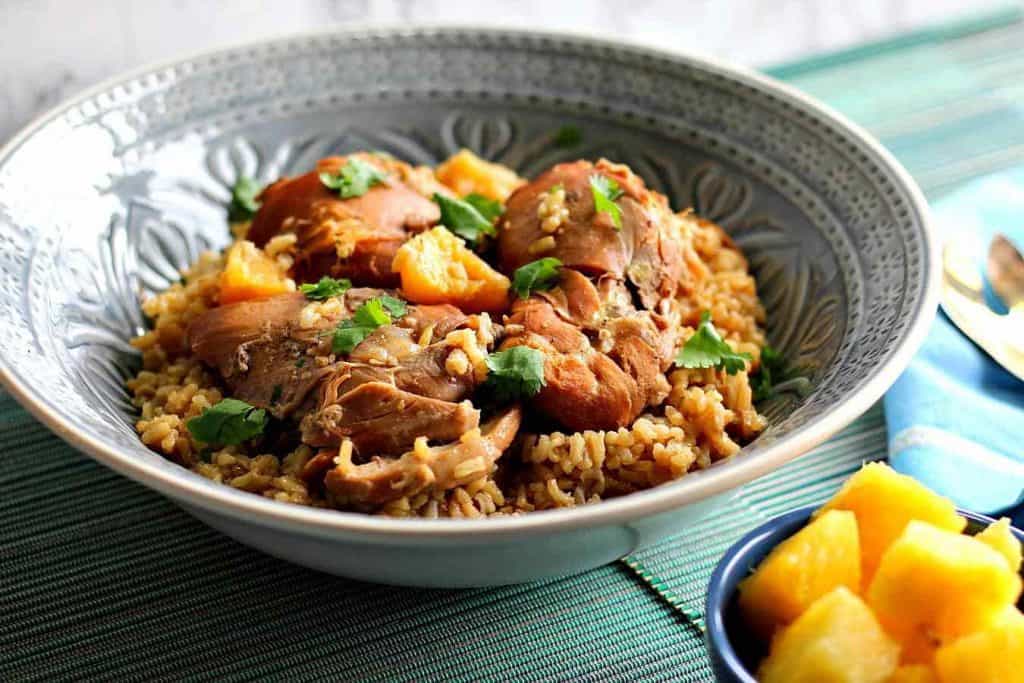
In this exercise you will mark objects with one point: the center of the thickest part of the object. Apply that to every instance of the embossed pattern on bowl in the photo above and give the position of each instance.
(106, 198)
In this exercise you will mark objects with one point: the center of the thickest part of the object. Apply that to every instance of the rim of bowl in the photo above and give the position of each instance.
(690, 489)
(736, 559)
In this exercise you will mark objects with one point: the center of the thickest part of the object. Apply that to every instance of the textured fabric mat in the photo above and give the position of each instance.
(102, 580)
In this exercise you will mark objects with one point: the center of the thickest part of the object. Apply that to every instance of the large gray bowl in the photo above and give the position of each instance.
(110, 194)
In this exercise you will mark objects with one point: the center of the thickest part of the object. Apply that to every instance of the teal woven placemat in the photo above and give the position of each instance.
(102, 580)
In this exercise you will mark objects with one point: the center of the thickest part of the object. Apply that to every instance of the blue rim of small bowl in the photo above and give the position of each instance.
(740, 559)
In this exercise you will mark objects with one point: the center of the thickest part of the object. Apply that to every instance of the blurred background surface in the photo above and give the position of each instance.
(54, 48)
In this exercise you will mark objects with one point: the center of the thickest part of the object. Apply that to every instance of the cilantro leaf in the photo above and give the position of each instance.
(396, 307)
(463, 219)
(568, 136)
(354, 179)
(243, 204)
(606, 191)
(771, 371)
(488, 208)
(707, 349)
(373, 314)
(348, 336)
(516, 372)
(326, 288)
(228, 423)
(536, 276)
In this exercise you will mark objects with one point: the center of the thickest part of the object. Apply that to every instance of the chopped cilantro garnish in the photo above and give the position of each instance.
(301, 362)
(354, 179)
(568, 136)
(488, 208)
(535, 276)
(606, 191)
(367, 318)
(348, 337)
(464, 219)
(275, 395)
(326, 288)
(243, 200)
(707, 349)
(229, 422)
(515, 373)
(396, 307)
(771, 371)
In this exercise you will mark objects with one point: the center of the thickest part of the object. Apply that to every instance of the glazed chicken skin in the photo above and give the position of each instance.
(354, 238)
(646, 250)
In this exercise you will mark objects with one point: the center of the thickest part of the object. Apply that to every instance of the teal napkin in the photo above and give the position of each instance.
(955, 417)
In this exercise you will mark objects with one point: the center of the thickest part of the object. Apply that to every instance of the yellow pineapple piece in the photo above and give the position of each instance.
(818, 558)
(436, 267)
(466, 173)
(999, 537)
(934, 586)
(250, 274)
(884, 501)
(837, 640)
(993, 655)
(915, 673)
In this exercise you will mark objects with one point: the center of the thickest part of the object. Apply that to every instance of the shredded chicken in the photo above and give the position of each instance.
(588, 388)
(386, 392)
(442, 467)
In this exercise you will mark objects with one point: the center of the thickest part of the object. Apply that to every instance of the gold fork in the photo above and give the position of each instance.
(963, 300)
(1006, 273)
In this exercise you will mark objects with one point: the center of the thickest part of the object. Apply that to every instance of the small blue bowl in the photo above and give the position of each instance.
(734, 650)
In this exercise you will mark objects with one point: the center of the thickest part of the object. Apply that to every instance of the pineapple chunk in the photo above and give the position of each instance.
(466, 173)
(934, 586)
(994, 655)
(913, 674)
(837, 640)
(884, 501)
(436, 267)
(250, 274)
(821, 556)
(999, 537)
